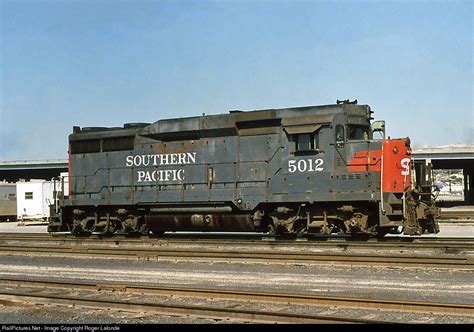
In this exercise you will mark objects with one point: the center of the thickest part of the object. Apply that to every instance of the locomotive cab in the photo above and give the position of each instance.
(397, 202)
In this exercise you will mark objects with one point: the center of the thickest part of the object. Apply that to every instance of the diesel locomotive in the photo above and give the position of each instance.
(305, 170)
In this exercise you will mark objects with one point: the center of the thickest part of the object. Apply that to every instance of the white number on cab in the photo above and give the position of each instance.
(305, 165)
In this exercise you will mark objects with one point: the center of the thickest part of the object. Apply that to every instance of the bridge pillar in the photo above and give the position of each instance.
(468, 186)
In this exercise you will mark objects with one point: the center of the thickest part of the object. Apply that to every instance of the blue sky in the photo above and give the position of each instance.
(106, 63)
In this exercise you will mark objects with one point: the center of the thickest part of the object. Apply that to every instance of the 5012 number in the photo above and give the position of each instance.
(305, 165)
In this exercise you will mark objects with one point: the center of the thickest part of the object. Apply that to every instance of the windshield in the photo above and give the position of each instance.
(357, 132)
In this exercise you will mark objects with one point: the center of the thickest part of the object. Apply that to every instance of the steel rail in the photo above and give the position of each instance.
(234, 312)
(450, 216)
(274, 256)
(186, 310)
(447, 254)
(455, 213)
(201, 311)
(443, 245)
(245, 239)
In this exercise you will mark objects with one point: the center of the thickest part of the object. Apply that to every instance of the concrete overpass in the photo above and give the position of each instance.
(447, 157)
(451, 157)
(12, 171)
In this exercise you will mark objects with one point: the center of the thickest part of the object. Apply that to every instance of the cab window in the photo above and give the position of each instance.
(306, 142)
(357, 132)
(340, 134)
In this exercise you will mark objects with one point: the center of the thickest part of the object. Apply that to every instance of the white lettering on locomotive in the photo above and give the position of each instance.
(305, 165)
(405, 162)
(160, 175)
(161, 159)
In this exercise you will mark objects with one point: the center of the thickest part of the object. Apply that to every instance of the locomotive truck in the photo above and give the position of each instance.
(303, 170)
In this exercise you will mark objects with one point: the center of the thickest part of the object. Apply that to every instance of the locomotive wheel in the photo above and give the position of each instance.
(143, 231)
(81, 233)
(429, 226)
(271, 229)
(77, 230)
(111, 229)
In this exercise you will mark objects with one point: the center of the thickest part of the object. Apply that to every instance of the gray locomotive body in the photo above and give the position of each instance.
(298, 170)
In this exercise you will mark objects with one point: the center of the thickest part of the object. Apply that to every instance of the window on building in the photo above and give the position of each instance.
(29, 195)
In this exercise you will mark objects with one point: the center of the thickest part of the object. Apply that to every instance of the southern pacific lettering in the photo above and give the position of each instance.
(160, 175)
(161, 159)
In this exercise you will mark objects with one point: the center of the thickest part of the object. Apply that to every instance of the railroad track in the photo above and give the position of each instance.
(440, 253)
(241, 237)
(456, 215)
(215, 304)
(449, 243)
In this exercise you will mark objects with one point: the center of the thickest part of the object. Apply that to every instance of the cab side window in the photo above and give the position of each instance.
(356, 132)
(340, 134)
(306, 142)
(304, 139)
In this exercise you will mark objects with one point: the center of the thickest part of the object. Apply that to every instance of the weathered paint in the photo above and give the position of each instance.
(245, 162)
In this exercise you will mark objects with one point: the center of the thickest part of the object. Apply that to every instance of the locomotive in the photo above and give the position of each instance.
(300, 171)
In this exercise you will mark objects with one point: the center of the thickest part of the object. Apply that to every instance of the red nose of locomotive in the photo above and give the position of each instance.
(397, 161)
(419, 210)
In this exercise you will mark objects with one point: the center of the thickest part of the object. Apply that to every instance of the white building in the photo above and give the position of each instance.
(35, 197)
